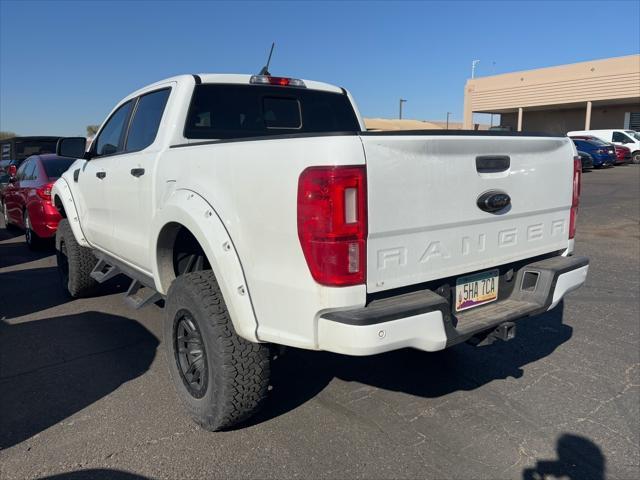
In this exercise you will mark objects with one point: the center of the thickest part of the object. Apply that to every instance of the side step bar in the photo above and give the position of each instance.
(140, 293)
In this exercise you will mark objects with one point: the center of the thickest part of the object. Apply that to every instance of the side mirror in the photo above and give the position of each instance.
(73, 147)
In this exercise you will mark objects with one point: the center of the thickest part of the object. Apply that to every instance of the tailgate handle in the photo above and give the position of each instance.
(492, 163)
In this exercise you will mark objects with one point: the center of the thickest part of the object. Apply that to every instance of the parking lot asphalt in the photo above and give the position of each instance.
(84, 389)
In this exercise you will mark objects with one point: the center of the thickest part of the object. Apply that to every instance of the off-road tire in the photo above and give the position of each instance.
(236, 374)
(75, 263)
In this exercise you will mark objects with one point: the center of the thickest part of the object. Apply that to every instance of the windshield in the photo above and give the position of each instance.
(220, 111)
(633, 134)
(55, 167)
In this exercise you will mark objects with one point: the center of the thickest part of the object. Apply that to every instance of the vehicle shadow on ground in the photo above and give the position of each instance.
(16, 253)
(578, 459)
(96, 474)
(23, 292)
(9, 233)
(53, 368)
(428, 375)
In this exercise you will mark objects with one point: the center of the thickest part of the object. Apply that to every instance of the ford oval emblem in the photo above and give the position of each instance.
(493, 201)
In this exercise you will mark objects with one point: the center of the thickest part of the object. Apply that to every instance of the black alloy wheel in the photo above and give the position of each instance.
(191, 355)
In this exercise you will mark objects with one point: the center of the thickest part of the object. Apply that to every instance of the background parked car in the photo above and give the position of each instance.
(587, 160)
(27, 197)
(602, 154)
(623, 154)
(626, 138)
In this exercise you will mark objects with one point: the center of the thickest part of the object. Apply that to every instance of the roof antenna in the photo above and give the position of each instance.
(265, 69)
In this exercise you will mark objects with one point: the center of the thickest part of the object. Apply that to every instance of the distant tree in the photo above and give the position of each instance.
(4, 135)
(92, 130)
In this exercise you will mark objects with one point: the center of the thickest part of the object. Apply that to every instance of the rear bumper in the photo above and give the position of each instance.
(424, 320)
(44, 220)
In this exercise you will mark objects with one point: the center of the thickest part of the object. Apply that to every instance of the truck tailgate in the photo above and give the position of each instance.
(424, 221)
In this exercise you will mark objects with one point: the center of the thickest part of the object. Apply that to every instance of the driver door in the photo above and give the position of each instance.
(96, 177)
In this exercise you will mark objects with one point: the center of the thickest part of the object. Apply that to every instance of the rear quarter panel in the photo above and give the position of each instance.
(252, 186)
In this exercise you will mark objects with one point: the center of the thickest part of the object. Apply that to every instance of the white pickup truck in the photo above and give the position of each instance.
(261, 211)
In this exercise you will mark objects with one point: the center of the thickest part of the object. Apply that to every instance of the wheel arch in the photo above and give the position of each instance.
(187, 211)
(64, 202)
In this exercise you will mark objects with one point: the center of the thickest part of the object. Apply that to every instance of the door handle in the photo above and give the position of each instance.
(101, 175)
(76, 174)
(137, 172)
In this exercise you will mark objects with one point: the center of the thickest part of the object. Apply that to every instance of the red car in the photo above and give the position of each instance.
(623, 154)
(27, 198)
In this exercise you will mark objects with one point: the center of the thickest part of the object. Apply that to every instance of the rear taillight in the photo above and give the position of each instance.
(575, 199)
(44, 192)
(332, 223)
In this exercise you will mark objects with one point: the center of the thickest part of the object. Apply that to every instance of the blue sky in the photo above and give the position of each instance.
(64, 65)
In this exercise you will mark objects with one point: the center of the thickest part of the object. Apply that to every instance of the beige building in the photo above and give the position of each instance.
(579, 96)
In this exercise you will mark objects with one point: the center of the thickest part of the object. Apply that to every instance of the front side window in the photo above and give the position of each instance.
(111, 138)
(146, 120)
(621, 137)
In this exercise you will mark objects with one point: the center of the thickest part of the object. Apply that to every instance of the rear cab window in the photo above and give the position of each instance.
(55, 167)
(223, 111)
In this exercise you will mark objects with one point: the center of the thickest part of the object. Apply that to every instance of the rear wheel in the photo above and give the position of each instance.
(31, 237)
(75, 263)
(635, 157)
(5, 216)
(221, 378)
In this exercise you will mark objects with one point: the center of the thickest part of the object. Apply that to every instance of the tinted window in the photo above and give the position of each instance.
(24, 172)
(281, 113)
(35, 147)
(146, 120)
(55, 167)
(237, 111)
(581, 145)
(111, 137)
(620, 137)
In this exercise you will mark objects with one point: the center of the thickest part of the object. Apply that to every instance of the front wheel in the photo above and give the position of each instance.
(635, 157)
(75, 263)
(221, 378)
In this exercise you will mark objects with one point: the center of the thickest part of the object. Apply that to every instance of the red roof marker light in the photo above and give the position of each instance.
(279, 81)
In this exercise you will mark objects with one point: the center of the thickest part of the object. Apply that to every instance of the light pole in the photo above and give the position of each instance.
(473, 68)
(402, 100)
(448, 113)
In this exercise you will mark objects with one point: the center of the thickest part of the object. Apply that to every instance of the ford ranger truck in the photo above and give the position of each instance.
(262, 213)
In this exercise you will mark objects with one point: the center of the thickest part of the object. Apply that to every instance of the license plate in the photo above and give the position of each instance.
(475, 290)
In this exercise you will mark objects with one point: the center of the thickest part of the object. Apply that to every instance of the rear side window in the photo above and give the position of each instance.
(221, 111)
(26, 170)
(146, 120)
(620, 137)
(111, 138)
(55, 167)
